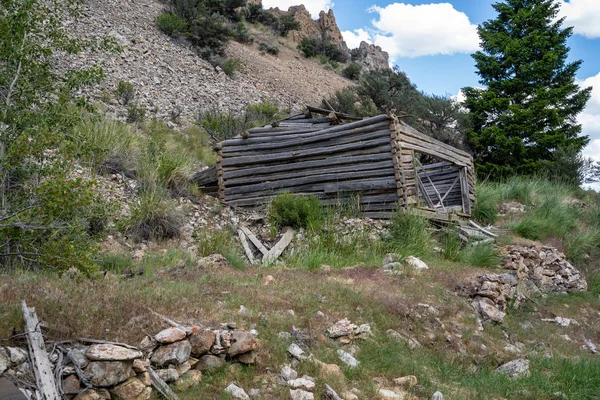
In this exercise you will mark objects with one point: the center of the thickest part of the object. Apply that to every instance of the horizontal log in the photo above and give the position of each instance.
(432, 166)
(277, 148)
(323, 169)
(287, 183)
(326, 199)
(248, 160)
(434, 152)
(407, 130)
(293, 166)
(379, 207)
(337, 114)
(302, 139)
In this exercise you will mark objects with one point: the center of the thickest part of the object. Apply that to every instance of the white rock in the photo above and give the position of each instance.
(170, 335)
(389, 394)
(515, 369)
(296, 351)
(437, 396)
(305, 383)
(17, 355)
(254, 393)
(4, 360)
(237, 392)
(348, 359)
(299, 394)
(287, 373)
(416, 263)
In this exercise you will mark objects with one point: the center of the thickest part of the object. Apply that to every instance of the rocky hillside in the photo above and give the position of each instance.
(169, 76)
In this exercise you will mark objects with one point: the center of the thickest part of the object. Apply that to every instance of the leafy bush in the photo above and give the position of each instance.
(231, 65)
(287, 23)
(297, 211)
(451, 245)
(352, 71)
(171, 24)
(269, 48)
(242, 34)
(487, 198)
(306, 47)
(125, 92)
(409, 234)
(311, 47)
(482, 255)
(135, 113)
(263, 111)
(153, 218)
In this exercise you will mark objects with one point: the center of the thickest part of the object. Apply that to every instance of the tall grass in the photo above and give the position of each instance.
(487, 198)
(220, 242)
(482, 255)
(409, 234)
(452, 245)
(553, 217)
(297, 211)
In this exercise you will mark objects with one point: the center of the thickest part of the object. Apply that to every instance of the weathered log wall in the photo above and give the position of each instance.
(372, 161)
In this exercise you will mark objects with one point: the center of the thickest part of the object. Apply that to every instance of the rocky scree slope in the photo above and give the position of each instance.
(170, 77)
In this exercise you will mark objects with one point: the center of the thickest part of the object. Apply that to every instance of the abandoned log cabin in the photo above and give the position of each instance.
(380, 162)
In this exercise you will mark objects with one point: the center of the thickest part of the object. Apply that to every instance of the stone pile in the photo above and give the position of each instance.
(345, 332)
(532, 269)
(177, 355)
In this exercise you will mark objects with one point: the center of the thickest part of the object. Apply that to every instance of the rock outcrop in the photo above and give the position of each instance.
(371, 57)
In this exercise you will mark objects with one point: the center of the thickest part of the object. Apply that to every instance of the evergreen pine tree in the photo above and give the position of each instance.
(528, 108)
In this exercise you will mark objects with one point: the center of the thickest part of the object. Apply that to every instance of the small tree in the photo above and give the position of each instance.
(528, 108)
(352, 71)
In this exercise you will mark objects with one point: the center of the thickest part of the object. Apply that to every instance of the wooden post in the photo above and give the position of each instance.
(396, 158)
(39, 357)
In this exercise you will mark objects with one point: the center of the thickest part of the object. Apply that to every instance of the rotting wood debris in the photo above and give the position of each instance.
(376, 162)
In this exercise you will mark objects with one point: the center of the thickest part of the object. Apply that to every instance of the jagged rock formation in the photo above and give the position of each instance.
(371, 57)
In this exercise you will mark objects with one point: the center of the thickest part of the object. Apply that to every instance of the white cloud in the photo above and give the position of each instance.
(353, 39)
(583, 15)
(405, 30)
(313, 6)
(590, 117)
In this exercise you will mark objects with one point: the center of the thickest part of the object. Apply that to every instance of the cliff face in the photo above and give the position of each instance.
(371, 57)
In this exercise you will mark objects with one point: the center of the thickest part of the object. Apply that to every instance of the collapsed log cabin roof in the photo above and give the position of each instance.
(378, 162)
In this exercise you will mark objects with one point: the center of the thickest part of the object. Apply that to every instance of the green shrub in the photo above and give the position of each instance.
(221, 242)
(231, 65)
(487, 198)
(125, 92)
(410, 234)
(352, 71)
(173, 171)
(171, 24)
(482, 255)
(297, 211)
(264, 111)
(451, 245)
(153, 218)
(242, 34)
(135, 113)
(311, 47)
(306, 47)
(323, 59)
(271, 49)
(552, 218)
(287, 23)
(582, 248)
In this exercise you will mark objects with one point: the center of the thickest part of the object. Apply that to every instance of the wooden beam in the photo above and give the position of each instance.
(42, 367)
(278, 249)
(254, 240)
(246, 247)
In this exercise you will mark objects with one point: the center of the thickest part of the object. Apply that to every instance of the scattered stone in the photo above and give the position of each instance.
(247, 358)
(111, 352)
(168, 375)
(300, 394)
(389, 395)
(172, 354)
(268, 280)
(296, 351)
(108, 373)
(329, 369)
(77, 356)
(406, 381)
(242, 342)
(416, 263)
(237, 392)
(488, 310)
(437, 396)
(140, 366)
(342, 328)
(129, 390)
(511, 348)
(348, 359)
(591, 346)
(348, 395)
(71, 385)
(202, 342)
(287, 373)
(564, 322)
(305, 383)
(515, 369)
(285, 335)
(254, 393)
(17, 355)
(209, 362)
(330, 394)
(242, 310)
(170, 335)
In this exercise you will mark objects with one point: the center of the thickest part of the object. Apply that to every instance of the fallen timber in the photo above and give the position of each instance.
(375, 162)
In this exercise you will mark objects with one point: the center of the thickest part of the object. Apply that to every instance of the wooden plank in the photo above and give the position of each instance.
(161, 386)
(323, 170)
(300, 165)
(426, 167)
(254, 240)
(248, 160)
(485, 231)
(246, 247)
(465, 191)
(278, 249)
(408, 130)
(41, 365)
(356, 186)
(435, 152)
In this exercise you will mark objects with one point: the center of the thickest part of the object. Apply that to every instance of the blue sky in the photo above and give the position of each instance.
(431, 40)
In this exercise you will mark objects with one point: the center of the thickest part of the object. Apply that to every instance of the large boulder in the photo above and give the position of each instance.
(202, 341)
(172, 354)
(109, 373)
(170, 335)
(515, 368)
(242, 342)
(131, 389)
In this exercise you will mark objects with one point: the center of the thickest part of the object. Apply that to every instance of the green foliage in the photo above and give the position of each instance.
(171, 24)
(242, 34)
(451, 245)
(297, 211)
(531, 100)
(231, 65)
(352, 71)
(287, 23)
(269, 48)
(135, 113)
(553, 218)
(583, 247)
(153, 217)
(312, 47)
(487, 198)
(410, 234)
(482, 255)
(125, 92)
